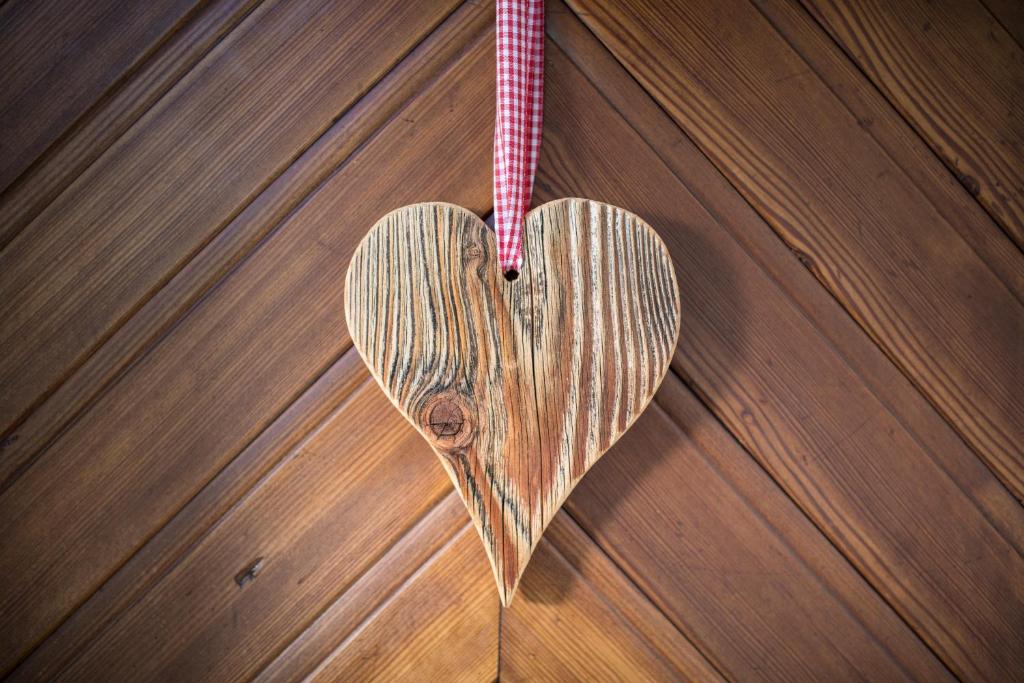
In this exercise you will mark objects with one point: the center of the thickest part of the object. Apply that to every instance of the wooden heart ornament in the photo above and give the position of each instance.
(518, 386)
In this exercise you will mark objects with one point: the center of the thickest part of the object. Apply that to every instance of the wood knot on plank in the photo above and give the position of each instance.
(446, 421)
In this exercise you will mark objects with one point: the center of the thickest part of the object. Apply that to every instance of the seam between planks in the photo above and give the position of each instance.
(993, 224)
(971, 418)
(224, 265)
(442, 67)
(501, 639)
(998, 20)
(129, 73)
(890, 355)
(628, 576)
(226, 222)
(130, 118)
(383, 604)
(171, 273)
(690, 386)
(625, 576)
(144, 587)
(798, 306)
(269, 470)
(867, 81)
(339, 595)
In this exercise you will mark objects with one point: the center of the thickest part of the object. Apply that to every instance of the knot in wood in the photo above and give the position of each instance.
(472, 254)
(446, 419)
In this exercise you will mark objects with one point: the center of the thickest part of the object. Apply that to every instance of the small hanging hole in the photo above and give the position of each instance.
(511, 274)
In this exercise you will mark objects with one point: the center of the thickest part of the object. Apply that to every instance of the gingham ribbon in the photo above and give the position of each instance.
(520, 109)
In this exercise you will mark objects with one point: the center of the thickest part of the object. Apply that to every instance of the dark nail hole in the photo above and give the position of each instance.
(249, 573)
(512, 275)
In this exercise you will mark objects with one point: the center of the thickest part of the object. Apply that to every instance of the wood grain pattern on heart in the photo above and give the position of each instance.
(518, 386)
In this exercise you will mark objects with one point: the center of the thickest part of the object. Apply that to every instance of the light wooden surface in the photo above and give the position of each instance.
(616, 633)
(519, 386)
(823, 487)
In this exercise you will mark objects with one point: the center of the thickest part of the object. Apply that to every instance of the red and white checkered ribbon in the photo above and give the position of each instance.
(517, 127)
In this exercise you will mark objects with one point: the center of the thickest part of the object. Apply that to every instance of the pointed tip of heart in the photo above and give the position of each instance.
(507, 589)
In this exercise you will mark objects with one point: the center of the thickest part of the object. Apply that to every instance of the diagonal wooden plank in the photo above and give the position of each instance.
(718, 199)
(1010, 15)
(875, 115)
(733, 563)
(180, 174)
(166, 547)
(239, 237)
(442, 627)
(318, 522)
(394, 573)
(369, 646)
(615, 632)
(824, 185)
(955, 74)
(237, 360)
(787, 390)
(601, 604)
(116, 111)
(60, 57)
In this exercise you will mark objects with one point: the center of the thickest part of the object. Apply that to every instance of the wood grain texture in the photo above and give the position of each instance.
(1010, 15)
(158, 314)
(931, 531)
(718, 202)
(868, 235)
(99, 127)
(443, 626)
(579, 619)
(732, 562)
(166, 548)
(60, 57)
(393, 574)
(911, 155)
(219, 377)
(842, 530)
(519, 386)
(156, 196)
(957, 76)
(316, 523)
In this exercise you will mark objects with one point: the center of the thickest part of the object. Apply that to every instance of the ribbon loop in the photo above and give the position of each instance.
(518, 119)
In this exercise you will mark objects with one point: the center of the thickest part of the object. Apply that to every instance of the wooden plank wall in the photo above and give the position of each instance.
(198, 479)
(47, 83)
(908, 50)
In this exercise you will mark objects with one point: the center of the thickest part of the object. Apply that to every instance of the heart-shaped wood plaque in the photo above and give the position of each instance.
(518, 386)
